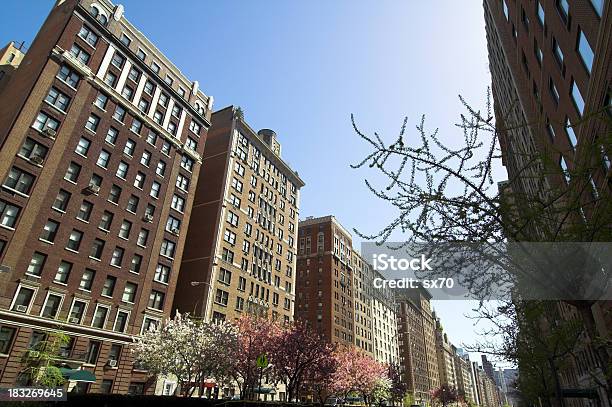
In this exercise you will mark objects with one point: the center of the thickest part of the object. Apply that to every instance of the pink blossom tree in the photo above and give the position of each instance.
(256, 336)
(299, 353)
(358, 372)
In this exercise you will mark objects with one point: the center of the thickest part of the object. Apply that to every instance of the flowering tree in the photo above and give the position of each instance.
(256, 336)
(319, 378)
(191, 350)
(299, 353)
(398, 388)
(445, 395)
(357, 372)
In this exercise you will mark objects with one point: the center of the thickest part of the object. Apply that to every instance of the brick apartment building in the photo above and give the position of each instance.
(417, 343)
(240, 255)
(101, 141)
(325, 292)
(335, 294)
(551, 66)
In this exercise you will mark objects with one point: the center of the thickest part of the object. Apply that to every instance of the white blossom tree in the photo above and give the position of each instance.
(189, 349)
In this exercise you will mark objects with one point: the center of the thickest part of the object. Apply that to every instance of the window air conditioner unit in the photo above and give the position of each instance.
(112, 363)
(175, 231)
(33, 353)
(37, 160)
(5, 269)
(21, 308)
(74, 320)
(148, 218)
(48, 132)
(93, 188)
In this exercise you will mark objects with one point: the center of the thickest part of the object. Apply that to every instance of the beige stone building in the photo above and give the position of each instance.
(240, 255)
(10, 57)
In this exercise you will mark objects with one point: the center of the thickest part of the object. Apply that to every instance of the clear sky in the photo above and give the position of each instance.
(302, 67)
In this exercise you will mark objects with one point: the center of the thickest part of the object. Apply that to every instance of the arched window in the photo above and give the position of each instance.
(98, 14)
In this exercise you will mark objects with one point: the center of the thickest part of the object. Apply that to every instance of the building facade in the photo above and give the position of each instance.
(325, 291)
(365, 310)
(101, 147)
(240, 255)
(385, 325)
(10, 58)
(445, 358)
(550, 66)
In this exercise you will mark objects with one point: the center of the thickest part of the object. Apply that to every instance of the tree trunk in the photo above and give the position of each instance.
(558, 390)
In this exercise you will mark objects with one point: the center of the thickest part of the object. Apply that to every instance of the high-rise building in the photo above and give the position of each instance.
(417, 346)
(463, 375)
(445, 357)
(101, 141)
(364, 307)
(385, 329)
(325, 291)
(240, 255)
(550, 66)
(10, 58)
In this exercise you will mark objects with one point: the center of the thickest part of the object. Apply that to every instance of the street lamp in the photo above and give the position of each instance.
(195, 284)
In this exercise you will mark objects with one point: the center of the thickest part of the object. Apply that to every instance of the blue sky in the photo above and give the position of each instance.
(302, 67)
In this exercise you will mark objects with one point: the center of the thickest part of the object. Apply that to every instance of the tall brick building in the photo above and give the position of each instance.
(240, 255)
(101, 141)
(336, 295)
(551, 67)
(325, 291)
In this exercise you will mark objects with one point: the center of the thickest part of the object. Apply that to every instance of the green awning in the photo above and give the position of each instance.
(78, 375)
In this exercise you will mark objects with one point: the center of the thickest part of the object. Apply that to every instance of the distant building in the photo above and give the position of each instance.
(10, 58)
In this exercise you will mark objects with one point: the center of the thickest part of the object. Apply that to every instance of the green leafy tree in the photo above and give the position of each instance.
(41, 361)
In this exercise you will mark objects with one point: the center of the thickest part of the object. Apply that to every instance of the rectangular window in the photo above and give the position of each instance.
(88, 35)
(162, 272)
(19, 180)
(23, 299)
(58, 99)
(124, 230)
(155, 189)
(173, 225)
(136, 263)
(74, 240)
(117, 258)
(99, 318)
(114, 194)
(187, 163)
(134, 74)
(44, 122)
(118, 60)
(9, 214)
(225, 276)
(6, 339)
(167, 248)
(571, 135)
(598, 5)
(182, 182)
(156, 300)
(92, 352)
(97, 249)
(564, 169)
(101, 101)
(92, 122)
(82, 147)
(122, 170)
(221, 297)
(129, 292)
(119, 114)
(37, 263)
(132, 205)
(577, 98)
(87, 280)
(139, 180)
(553, 90)
(143, 106)
(110, 79)
(585, 51)
(63, 272)
(49, 231)
(540, 11)
(109, 286)
(178, 203)
(68, 76)
(33, 151)
(141, 54)
(85, 211)
(143, 235)
(127, 92)
(80, 54)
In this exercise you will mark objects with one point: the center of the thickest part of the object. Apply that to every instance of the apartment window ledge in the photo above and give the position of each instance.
(56, 108)
(32, 275)
(94, 258)
(60, 283)
(115, 266)
(66, 83)
(71, 250)
(90, 131)
(7, 228)
(44, 241)
(14, 191)
(82, 220)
